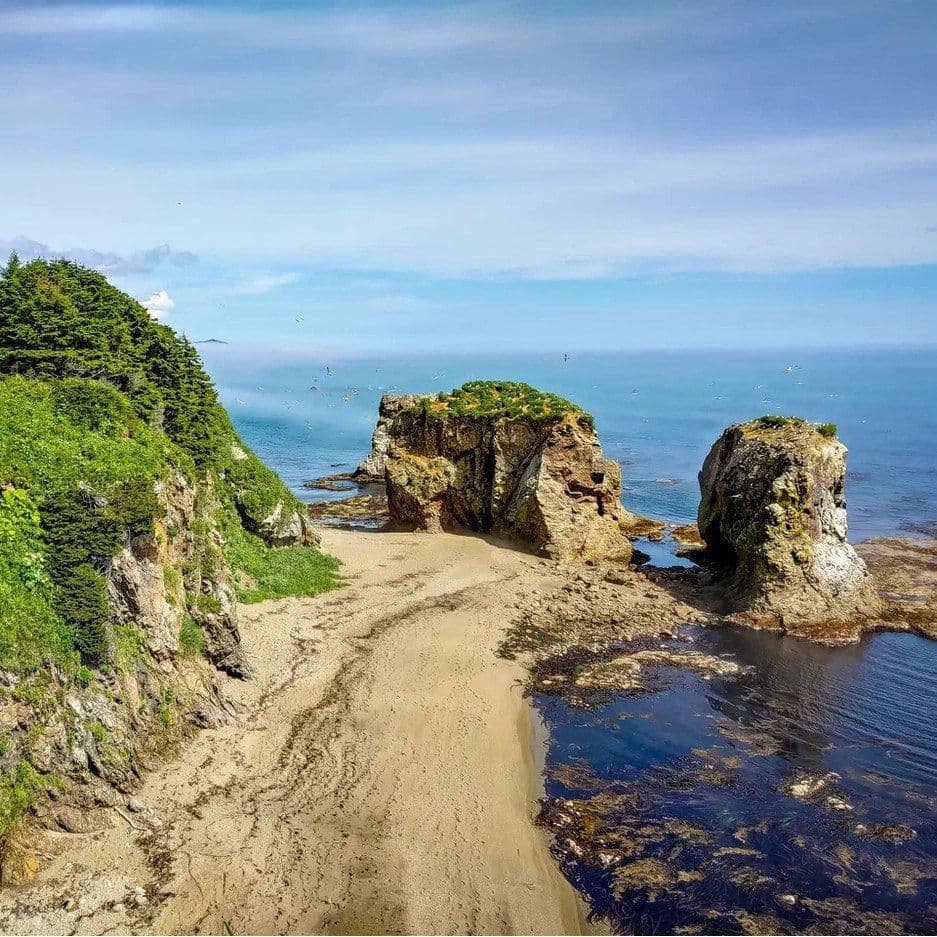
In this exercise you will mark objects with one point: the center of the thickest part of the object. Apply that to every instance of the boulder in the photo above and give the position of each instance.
(773, 515)
(501, 458)
(284, 526)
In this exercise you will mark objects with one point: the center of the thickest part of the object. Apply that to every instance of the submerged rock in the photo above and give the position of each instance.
(809, 786)
(773, 513)
(502, 458)
(629, 671)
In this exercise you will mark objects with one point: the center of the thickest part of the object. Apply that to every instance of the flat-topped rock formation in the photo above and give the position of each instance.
(773, 513)
(503, 458)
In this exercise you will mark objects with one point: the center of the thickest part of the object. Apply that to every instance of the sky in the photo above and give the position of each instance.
(374, 177)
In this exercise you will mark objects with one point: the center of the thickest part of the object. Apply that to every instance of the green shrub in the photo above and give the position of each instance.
(206, 602)
(775, 421)
(129, 646)
(98, 732)
(133, 506)
(501, 399)
(172, 579)
(827, 429)
(83, 675)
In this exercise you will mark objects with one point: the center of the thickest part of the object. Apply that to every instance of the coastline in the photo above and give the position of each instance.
(378, 775)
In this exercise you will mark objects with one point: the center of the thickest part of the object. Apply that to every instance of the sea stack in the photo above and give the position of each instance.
(501, 457)
(773, 514)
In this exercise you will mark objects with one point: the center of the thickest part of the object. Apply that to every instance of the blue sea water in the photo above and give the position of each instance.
(714, 754)
(656, 412)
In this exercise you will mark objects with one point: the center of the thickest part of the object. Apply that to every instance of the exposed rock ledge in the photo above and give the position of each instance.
(773, 513)
(502, 458)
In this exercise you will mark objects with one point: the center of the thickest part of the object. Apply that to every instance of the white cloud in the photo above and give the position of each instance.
(158, 304)
(265, 284)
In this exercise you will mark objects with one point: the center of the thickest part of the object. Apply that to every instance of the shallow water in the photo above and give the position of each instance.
(716, 754)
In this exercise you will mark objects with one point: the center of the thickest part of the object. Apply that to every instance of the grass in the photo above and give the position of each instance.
(18, 793)
(129, 647)
(501, 400)
(264, 572)
(191, 638)
(775, 421)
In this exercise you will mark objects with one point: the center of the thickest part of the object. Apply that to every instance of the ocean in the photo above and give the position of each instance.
(656, 412)
(687, 783)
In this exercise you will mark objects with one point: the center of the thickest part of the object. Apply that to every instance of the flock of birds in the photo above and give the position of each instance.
(349, 393)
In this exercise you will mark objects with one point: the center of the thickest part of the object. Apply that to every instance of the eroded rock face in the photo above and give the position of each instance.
(372, 468)
(545, 482)
(147, 585)
(773, 511)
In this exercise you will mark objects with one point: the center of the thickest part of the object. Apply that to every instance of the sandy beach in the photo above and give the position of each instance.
(378, 775)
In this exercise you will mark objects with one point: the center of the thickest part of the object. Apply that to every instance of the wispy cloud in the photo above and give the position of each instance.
(265, 284)
(143, 261)
(478, 140)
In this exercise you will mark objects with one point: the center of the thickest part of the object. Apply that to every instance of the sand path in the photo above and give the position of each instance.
(377, 777)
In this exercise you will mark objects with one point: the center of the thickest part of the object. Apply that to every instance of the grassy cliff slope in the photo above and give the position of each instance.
(132, 516)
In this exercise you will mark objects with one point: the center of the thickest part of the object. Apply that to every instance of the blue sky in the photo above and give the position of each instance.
(485, 175)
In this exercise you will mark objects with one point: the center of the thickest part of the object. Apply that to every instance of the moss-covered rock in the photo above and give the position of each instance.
(773, 515)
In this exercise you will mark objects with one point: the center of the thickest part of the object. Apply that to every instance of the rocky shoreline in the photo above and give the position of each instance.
(770, 545)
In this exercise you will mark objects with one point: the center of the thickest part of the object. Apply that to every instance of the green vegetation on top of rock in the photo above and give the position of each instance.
(501, 400)
(776, 421)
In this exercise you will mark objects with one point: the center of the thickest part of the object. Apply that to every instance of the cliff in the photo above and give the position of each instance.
(503, 458)
(132, 520)
(773, 516)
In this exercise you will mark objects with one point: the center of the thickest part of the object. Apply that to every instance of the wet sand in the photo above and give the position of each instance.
(377, 776)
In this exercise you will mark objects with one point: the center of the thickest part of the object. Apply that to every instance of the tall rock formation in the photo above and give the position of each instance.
(773, 513)
(503, 458)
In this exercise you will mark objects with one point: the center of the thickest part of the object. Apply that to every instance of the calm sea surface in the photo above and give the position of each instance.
(658, 413)
(692, 773)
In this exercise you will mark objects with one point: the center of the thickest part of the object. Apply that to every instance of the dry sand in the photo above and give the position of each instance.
(378, 775)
